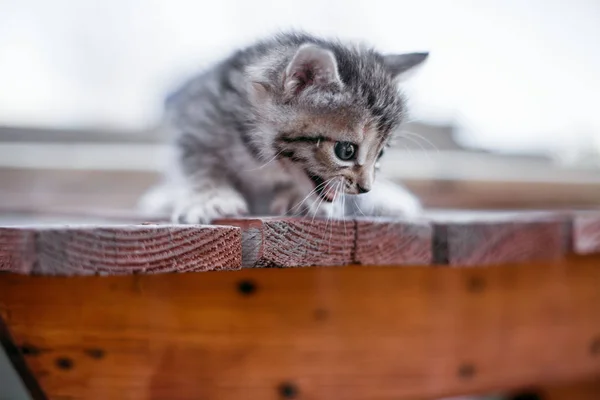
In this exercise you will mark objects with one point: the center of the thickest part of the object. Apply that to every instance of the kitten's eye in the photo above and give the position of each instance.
(345, 151)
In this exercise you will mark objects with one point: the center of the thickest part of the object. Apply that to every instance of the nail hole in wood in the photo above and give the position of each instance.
(246, 287)
(95, 353)
(30, 350)
(321, 314)
(288, 390)
(64, 363)
(466, 371)
(476, 284)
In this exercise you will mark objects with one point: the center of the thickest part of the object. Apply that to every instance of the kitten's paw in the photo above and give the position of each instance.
(320, 209)
(290, 203)
(203, 207)
(386, 200)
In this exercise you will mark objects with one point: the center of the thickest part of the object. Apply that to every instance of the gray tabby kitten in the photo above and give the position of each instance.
(286, 127)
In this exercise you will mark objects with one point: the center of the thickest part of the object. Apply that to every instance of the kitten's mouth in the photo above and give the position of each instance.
(325, 191)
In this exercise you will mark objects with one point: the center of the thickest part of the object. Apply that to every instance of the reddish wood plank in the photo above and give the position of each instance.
(586, 233)
(294, 242)
(500, 238)
(383, 241)
(582, 390)
(126, 249)
(320, 333)
(16, 250)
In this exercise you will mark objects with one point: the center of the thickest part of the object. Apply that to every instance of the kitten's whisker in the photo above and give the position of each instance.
(265, 164)
(418, 136)
(322, 199)
(410, 121)
(330, 217)
(308, 195)
(419, 144)
(344, 215)
(360, 209)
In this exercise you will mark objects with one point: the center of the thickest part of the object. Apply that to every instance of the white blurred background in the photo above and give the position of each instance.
(513, 85)
(514, 75)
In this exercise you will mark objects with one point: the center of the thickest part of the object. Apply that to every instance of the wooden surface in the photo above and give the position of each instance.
(60, 188)
(586, 233)
(82, 250)
(579, 390)
(308, 333)
(295, 242)
(17, 250)
(392, 242)
(496, 239)
(438, 238)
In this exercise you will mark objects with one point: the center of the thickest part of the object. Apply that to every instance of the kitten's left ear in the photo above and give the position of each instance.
(311, 65)
(400, 65)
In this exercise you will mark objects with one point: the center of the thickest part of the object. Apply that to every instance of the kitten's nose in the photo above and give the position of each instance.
(362, 189)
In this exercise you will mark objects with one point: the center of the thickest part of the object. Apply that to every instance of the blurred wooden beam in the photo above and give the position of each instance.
(580, 390)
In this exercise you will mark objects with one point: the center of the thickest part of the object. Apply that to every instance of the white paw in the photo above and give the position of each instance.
(203, 207)
(387, 200)
(321, 209)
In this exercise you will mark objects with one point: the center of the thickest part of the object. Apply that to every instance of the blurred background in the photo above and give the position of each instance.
(503, 115)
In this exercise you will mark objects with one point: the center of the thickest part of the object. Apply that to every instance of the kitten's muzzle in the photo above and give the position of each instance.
(362, 189)
(320, 187)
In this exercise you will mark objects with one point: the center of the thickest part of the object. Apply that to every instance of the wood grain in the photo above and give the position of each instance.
(308, 333)
(383, 241)
(472, 239)
(123, 249)
(294, 242)
(17, 250)
(586, 233)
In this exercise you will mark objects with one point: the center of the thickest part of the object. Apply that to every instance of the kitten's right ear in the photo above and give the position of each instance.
(311, 65)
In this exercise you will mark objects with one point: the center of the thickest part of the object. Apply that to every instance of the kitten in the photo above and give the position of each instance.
(285, 127)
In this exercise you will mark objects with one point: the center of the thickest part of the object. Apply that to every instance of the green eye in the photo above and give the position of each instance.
(345, 151)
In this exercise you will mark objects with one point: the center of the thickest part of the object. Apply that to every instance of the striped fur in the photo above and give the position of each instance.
(257, 132)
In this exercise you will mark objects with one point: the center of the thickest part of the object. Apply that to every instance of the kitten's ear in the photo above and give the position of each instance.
(258, 93)
(311, 65)
(400, 65)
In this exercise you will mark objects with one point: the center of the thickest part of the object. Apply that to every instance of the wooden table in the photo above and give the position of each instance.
(420, 325)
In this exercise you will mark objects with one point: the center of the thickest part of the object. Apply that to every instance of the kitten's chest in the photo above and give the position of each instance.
(260, 184)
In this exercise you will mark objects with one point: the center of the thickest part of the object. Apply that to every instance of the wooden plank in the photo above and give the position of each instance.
(496, 238)
(506, 194)
(586, 233)
(17, 250)
(294, 242)
(126, 249)
(384, 241)
(309, 333)
(581, 390)
(45, 188)
(80, 215)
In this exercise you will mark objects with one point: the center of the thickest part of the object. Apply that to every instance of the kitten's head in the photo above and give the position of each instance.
(331, 111)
